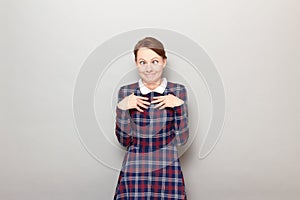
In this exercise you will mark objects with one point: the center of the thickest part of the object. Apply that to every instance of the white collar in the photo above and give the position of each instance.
(160, 89)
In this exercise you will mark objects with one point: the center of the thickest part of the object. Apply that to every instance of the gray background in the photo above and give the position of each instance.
(254, 45)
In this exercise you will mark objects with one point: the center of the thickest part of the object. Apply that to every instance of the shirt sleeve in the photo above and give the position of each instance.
(181, 118)
(123, 121)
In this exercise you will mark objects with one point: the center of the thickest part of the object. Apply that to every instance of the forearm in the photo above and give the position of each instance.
(123, 126)
(181, 128)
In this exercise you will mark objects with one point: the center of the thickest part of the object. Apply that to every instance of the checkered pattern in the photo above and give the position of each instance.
(151, 167)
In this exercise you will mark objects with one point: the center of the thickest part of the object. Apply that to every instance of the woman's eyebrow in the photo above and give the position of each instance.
(151, 58)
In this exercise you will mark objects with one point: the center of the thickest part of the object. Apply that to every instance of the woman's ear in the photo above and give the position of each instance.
(164, 62)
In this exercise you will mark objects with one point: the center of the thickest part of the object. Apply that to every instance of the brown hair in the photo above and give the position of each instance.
(150, 43)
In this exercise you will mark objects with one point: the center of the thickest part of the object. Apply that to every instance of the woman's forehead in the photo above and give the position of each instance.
(146, 53)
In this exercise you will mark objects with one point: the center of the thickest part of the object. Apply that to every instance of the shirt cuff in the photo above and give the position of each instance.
(122, 114)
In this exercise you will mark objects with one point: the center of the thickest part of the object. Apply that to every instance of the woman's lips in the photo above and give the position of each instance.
(149, 74)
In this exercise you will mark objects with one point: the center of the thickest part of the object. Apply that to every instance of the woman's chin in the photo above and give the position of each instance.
(150, 80)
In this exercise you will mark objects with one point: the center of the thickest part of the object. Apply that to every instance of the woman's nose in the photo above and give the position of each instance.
(148, 68)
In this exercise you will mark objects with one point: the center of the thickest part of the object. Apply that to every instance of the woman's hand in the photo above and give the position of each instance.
(167, 101)
(133, 101)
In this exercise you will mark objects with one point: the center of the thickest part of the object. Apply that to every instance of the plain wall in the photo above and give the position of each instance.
(254, 45)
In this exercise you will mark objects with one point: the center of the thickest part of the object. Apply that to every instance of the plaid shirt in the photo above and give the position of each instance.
(151, 167)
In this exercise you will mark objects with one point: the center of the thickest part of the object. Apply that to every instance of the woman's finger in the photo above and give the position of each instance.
(138, 108)
(162, 107)
(144, 102)
(140, 97)
(158, 105)
(157, 100)
(159, 97)
(142, 105)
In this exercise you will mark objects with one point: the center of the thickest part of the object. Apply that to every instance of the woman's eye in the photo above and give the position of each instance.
(155, 62)
(142, 62)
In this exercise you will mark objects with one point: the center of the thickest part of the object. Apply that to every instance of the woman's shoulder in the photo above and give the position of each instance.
(177, 89)
(125, 90)
(130, 86)
(175, 86)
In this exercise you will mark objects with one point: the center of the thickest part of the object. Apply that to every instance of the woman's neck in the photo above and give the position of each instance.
(153, 85)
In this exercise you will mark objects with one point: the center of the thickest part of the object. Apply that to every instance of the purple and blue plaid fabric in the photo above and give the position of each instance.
(151, 167)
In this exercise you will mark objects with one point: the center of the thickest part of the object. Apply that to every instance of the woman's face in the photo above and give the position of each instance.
(150, 65)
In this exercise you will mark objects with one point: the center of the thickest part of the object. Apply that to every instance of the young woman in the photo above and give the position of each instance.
(151, 120)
